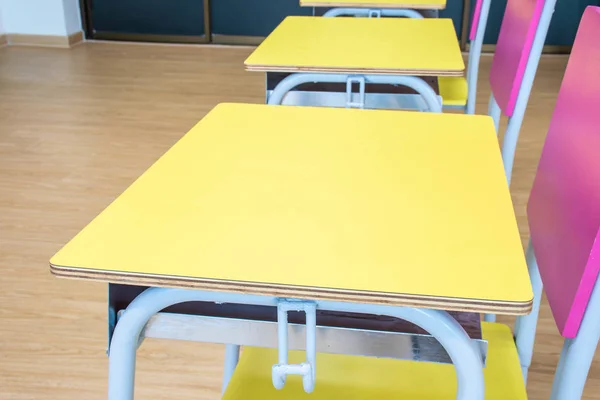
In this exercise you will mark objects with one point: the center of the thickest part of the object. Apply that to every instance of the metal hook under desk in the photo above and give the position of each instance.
(307, 368)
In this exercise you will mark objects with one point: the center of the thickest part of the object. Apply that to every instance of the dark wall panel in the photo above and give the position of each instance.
(562, 28)
(158, 17)
(251, 18)
(566, 21)
(454, 10)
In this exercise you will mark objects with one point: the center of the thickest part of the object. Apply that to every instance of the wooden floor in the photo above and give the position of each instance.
(76, 127)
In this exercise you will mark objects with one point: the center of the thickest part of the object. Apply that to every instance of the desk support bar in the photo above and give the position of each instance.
(417, 84)
(463, 352)
(372, 13)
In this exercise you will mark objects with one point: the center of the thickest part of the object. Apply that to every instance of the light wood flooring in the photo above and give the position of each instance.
(76, 128)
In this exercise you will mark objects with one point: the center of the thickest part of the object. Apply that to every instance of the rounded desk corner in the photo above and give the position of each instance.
(54, 268)
(57, 266)
(225, 104)
(527, 306)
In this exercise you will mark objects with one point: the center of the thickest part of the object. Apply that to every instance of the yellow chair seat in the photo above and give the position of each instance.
(454, 90)
(353, 378)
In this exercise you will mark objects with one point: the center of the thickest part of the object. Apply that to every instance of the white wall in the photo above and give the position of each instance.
(72, 16)
(40, 17)
(1, 26)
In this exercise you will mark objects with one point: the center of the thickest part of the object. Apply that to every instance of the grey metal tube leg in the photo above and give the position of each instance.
(511, 136)
(494, 112)
(578, 353)
(121, 361)
(232, 356)
(474, 58)
(525, 327)
(509, 144)
(464, 353)
(489, 317)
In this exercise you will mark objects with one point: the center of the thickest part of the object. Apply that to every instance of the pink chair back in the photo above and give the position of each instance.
(475, 20)
(564, 207)
(517, 33)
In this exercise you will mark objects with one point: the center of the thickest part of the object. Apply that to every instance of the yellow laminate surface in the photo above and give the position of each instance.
(365, 201)
(410, 4)
(356, 378)
(400, 46)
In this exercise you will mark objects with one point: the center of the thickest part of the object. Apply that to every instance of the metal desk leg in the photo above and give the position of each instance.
(232, 356)
(463, 352)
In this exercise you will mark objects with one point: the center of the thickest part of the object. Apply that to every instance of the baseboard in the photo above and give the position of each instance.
(75, 38)
(3, 40)
(237, 39)
(17, 39)
(145, 37)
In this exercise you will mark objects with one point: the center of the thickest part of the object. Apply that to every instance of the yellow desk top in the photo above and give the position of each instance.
(398, 46)
(374, 206)
(410, 4)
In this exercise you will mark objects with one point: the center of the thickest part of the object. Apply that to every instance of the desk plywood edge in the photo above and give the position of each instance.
(279, 68)
(352, 296)
(372, 5)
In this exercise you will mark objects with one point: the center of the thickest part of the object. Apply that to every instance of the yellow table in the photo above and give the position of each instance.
(381, 207)
(410, 4)
(398, 46)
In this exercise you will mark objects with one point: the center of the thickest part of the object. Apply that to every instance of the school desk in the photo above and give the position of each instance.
(299, 208)
(358, 52)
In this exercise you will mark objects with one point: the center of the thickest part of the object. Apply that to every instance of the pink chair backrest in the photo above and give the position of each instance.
(475, 20)
(564, 207)
(517, 33)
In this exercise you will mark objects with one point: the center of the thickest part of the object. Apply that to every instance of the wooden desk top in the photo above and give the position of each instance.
(397, 46)
(410, 4)
(388, 207)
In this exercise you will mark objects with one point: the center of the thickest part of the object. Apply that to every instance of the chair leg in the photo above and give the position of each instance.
(489, 317)
(474, 58)
(525, 327)
(232, 356)
(509, 144)
(573, 367)
(560, 368)
(494, 112)
(578, 353)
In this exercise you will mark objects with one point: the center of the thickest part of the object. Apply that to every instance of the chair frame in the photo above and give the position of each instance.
(515, 121)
